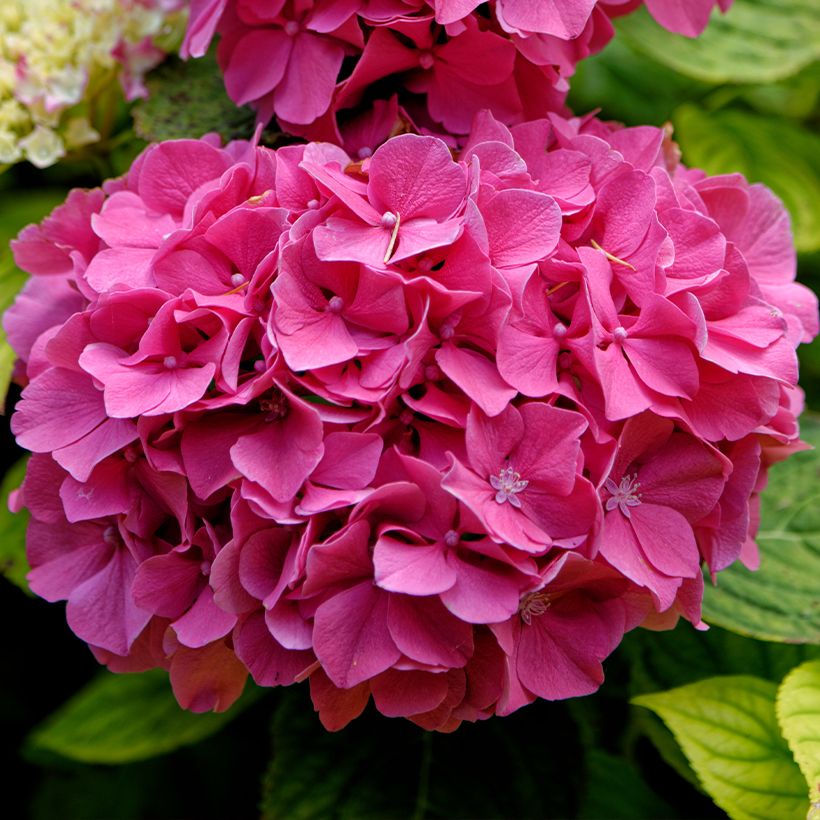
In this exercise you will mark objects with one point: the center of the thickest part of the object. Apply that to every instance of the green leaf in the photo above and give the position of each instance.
(661, 660)
(784, 156)
(757, 41)
(123, 718)
(187, 100)
(798, 710)
(728, 730)
(630, 87)
(616, 790)
(13, 563)
(377, 768)
(781, 600)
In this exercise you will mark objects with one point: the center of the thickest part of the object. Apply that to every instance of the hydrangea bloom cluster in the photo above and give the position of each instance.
(429, 430)
(56, 57)
(436, 63)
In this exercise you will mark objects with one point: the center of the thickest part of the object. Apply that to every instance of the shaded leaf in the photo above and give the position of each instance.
(187, 100)
(728, 730)
(13, 563)
(123, 718)
(784, 156)
(756, 41)
(616, 790)
(377, 767)
(781, 601)
(798, 710)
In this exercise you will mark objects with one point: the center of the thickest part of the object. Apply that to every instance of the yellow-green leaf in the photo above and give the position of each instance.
(798, 710)
(728, 731)
(123, 718)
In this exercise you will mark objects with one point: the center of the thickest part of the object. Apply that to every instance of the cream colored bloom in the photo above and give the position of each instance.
(59, 58)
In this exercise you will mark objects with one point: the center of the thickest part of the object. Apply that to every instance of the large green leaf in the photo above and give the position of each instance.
(784, 156)
(13, 563)
(728, 730)
(757, 41)
(377, 768)
(781, 601)
(123, 718)
(798, 710)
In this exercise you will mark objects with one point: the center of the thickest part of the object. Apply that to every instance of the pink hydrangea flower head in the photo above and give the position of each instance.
(430, 428)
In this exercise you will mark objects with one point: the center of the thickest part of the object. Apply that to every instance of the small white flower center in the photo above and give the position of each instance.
(451, 538)
(508, 484)
(335, 304)
(624, 495)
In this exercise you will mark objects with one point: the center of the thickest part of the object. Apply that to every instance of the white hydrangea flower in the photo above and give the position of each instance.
(57, 60)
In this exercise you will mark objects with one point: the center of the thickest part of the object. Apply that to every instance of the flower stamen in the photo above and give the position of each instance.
(624, 495)
(609, 256)
(508, 484)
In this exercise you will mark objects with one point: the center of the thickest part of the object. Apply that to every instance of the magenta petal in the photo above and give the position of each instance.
(667, 540)
(522, 226)
(204, 622)
(102, 611)
(416, 177)
(210, 679)
(309, 80)
(426, 632)
(281, 454)
(166, 585)
(63, 556)
(351, 636)
(477, 376)
(482, 594)
(560, 654)
(400, 694)
(349, 461)
(267, 660)
(108, 491)
(57, 408)
(412, 568)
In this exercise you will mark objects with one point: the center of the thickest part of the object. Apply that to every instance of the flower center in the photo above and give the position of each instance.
(276, 406)
(534, 604)
(451, 538)
(508, 484)
(335, 304)
(426, 60)
(624, 495)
